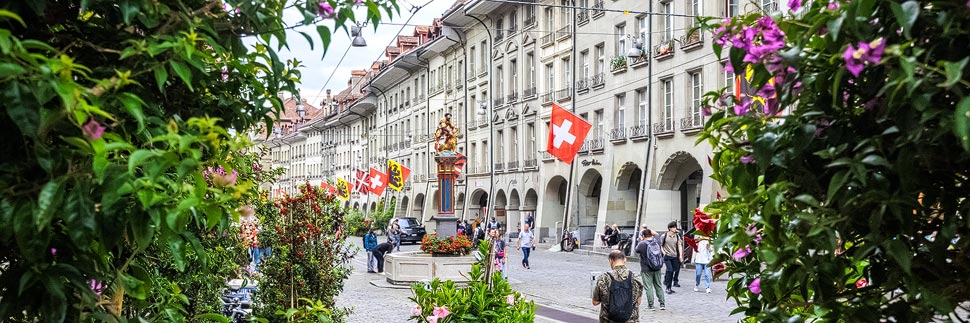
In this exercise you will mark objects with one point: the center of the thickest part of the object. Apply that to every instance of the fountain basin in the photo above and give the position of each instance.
(405, 268)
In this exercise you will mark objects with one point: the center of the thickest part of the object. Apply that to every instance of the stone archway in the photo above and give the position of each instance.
(627, 192)
(477, 204)
(500, 212)
(403, 208)
(373, 207)
(460, 206)
(417, 211)
(553, 204)
(512, 212)
(683, 175)
(357, 206)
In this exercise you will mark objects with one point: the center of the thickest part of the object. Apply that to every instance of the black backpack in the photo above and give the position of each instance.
(619, 308)
(653, 258)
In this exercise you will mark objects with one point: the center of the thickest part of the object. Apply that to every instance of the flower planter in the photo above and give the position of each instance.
(405, 268)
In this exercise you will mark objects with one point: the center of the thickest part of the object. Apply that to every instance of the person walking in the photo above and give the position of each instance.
(394, 234)
(673, 248)
(702, 257)
(527, 243)
(617, 292)
(531, 220)
(498, 246)
(651, 262)
(380, 251)
(370, 242)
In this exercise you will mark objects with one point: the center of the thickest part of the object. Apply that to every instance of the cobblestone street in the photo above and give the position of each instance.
(558, 282)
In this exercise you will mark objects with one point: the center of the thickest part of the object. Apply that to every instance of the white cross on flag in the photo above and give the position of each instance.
(376, 182)
(566, 134)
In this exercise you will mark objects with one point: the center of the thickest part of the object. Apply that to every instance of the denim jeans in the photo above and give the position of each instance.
(371, 260)
(525, 255)
(673, 271)
(703, 269)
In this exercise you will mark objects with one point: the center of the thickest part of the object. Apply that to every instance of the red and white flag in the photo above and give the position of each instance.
(360, 182)
(460, 164)
(567, 132)
(377, 182)
(327, 188)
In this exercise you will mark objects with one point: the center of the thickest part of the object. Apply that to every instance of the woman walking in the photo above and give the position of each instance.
(701, 259)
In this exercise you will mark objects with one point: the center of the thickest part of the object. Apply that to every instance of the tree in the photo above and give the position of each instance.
(847, 158)
(113, 111)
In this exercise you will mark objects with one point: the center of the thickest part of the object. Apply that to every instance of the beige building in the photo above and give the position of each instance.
(497, 67)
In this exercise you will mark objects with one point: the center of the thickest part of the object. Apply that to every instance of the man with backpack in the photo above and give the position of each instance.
(672, 244)
(651, 261)
(618, 292)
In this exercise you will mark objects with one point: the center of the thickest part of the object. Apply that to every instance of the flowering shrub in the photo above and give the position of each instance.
(445, 302)
(451, 245)
(846, 156)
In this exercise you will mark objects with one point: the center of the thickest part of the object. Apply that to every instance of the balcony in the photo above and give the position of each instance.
(638, 61)
(547, 157)
(531, 164)
(547, 98)
(770, 8)
(598, 81)
(638, 133)
(563, 33)
(664, 50)
(598, 7)
(618, 135)
(664, 128)
(512, 165)
(529, 22)
(530, 92)
(500, 101)
(547, 39)
(482, 121)
(618, 64)
(499, 37)
(582, 85)
(564, 94)
(691, 40)
(511, 98)
(583, 16)
(692, 124)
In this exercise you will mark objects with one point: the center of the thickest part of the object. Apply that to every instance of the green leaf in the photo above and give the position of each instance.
(901, 253)
(128, 10)
(835, 25)
(961, 123)
(133, 104)
(325, 35)
(212, 317)
(137, 158)
(954, 71)
(11, 15)
(875, 160)
(176, 246)
(906, 15)
(836, 184)
(183, 72)
(308, 38)
(48, 201)
(291, 312)
(161, 76)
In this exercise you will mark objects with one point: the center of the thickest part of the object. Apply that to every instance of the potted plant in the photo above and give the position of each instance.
(618, 63)
(457, 245)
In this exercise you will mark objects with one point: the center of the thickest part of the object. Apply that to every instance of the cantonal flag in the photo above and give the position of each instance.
(397, 175)
(343, 189)
(360, 182)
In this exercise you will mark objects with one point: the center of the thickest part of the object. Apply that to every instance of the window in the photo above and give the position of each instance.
(565, 15)
(729, 82)
(642, 27)
(598, 115)
(550, 19)
(514, 144)
(434, 82)
(513, 76)
(407, 96)
(471, 62)
(566, 72)
(585, 57)
(458, 79)
(731, 8)
(695, 9)
(484, 60)
(501, 81)
(668, 22)
(619, 119)
(513, 21)
(451, 74)
(472, 161)
(498, 28)
(620, 34)
(668, 104)
(696, 92)
(530, 63)
(550, 78)
(531, 134)
(485, 153)
(642, 108)
(600, 59)
(424, 87)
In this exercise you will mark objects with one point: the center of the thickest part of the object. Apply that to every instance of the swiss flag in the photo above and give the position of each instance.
(327, 188)
(360, 182)
(376, 182)
(460, 164)
(566, 134)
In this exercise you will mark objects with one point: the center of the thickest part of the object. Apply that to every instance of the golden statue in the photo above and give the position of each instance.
(446, 137)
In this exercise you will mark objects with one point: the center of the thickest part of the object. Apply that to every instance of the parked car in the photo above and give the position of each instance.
(411, 230)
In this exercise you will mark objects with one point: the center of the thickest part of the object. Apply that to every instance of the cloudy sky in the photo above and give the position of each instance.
(319, 68)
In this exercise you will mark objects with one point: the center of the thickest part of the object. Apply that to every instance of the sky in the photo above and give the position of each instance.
(317, 70)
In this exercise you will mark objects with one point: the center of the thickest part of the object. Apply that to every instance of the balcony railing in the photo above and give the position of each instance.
(598, 7)
(692, 123)
(638, 61)
(691, 40)
(618, 135)
(548, 39)
(770, 8)
(530, 92)
(564, 94)
(547, 157)
(597, 80)
(563, 33)
(582, 85)
(583, 16)
(639, 132)
(665, 127)
(664, 49)
(498, 101)
(531, 163)
(529, 22)
(512, 165)
(482, 121)
(547, 98)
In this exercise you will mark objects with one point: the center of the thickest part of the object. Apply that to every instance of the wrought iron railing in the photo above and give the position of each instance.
(563, 33)
(512, 165)
(691, 39)
(598, 7)
(583, 16)
(564, 94)
(582, 85)
(638, 61)
(547, 39)
(693, 122)
(529, 22)
(664, 49)
(597, 80)
(664, 127)
(546, 156)
(482, 121)
(547, 97)
(531, 163)
(499, 36)
(640, 131)
(513, 28)
(530, 92)
(618, 134)
(511, 98)
(498, 101)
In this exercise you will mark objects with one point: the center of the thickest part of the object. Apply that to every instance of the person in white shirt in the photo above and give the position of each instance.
(527, 243)
(701, 259)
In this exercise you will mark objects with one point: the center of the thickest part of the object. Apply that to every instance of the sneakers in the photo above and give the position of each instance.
(669, 291)
(695, 289)
(662, 307)
(650, 307)
(676, 284)
(708, 290)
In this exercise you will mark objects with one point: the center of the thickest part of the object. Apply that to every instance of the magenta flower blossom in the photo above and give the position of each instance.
(326, 10)
(441, 312)
(755, 286)
(358, 2)
(757, 239)
(857, 56)
(97, 287)
(794, 5)
(834, 5)
(742, 252)
(54, 251)
(93, 130)
(747, 159)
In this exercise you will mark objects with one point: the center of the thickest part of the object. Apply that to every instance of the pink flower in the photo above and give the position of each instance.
(358, 2)
(96, 287)
(416, 310)
(862, 282)
(223, 180)
(93, 129)
(441, 312)
(326, 10)
(794, 5)
(510, 299)
(857, 56)
(755, 286)
(742, 252)
(834, 5)
(747, 159)
(432, 319)
(54, 251)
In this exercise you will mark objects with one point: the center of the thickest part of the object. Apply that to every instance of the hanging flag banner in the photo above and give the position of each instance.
(343, 189)
(377, 182)
(567, 132)
(360, 182)
(397, 174)
(328, 189)
(460, 164)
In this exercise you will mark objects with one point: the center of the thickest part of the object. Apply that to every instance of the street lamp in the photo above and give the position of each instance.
(356, 32)
(636, 48)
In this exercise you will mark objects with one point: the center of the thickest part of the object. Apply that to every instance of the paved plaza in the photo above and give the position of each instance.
(559, 282)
